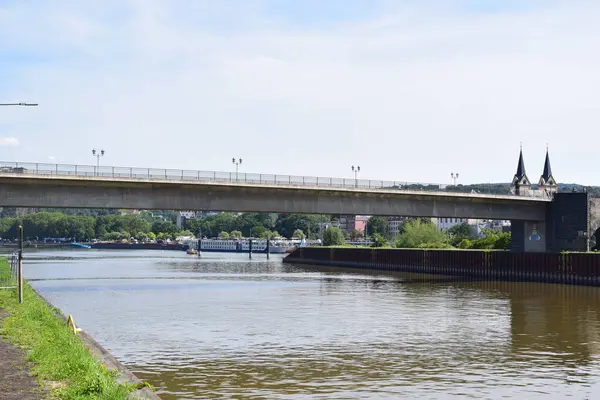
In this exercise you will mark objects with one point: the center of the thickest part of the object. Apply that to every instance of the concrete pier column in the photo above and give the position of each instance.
(528, 236)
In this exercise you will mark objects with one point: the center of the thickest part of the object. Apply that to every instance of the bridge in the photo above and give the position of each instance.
(567, 221)
(75, 186)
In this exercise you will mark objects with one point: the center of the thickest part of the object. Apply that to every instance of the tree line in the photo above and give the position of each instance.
(422, 233)
(414, 232)
(159, 225)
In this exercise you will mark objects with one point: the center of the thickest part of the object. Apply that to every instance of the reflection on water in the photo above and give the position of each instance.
(223, 326)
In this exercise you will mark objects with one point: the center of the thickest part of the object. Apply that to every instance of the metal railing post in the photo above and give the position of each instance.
(20, 267)
(131, 172)
(75, 169)
(36, 168)
(113, 172)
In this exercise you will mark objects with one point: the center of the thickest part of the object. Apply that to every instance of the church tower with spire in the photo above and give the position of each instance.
(520, 183)
(547, 182)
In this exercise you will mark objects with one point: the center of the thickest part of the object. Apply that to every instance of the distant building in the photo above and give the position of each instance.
(183, 216)
(546, 186)
(447, 223)
(394, 225)
(130, 212)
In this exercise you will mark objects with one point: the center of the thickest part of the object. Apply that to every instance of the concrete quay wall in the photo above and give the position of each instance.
(565, 268)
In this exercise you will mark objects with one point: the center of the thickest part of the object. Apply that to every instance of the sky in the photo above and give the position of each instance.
(407, 90)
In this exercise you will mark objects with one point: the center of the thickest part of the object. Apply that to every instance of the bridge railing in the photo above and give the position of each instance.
(46, 169)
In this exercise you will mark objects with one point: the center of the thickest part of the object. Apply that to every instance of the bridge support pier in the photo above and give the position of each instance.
(572, 223)
(529, 236)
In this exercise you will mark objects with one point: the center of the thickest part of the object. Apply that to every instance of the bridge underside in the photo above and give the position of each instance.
(101, 193)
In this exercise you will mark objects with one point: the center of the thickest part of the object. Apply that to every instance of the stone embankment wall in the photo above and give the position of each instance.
(567, 268)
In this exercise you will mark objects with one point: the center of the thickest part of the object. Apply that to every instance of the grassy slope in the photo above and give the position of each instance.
(61, 361)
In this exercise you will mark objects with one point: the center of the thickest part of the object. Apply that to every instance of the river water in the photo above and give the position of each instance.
(223, 326)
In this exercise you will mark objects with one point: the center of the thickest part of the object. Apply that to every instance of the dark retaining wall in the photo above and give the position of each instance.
(573, 268)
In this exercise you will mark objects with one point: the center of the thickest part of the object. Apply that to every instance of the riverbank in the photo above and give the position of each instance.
(567, 268)
(62, 363)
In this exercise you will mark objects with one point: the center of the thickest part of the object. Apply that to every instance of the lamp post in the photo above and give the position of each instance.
(236, 162)
(97, 154)
(356, 170)
(454, 176)
(19, 104)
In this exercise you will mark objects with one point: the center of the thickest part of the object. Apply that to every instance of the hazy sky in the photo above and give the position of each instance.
(409, 90)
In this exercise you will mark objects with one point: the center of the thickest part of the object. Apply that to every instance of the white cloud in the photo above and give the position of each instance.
(9, 141)
(405, 98)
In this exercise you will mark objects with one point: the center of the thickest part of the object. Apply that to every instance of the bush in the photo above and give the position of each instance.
(333, 237)
(298, 234)
(235, 235)
(465, 244)
(417, 233)
(437, 245)
(379, 241)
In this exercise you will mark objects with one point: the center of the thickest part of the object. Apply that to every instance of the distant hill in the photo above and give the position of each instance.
(498, 188)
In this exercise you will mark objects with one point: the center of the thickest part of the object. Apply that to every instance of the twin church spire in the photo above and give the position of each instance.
(521, 182)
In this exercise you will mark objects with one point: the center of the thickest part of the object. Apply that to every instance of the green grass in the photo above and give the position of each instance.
(61, 362)
(5, 278)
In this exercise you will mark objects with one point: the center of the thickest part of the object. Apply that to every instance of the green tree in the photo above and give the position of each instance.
(163, 226)
(504, 241)
(379, 240)
(417, 234)
(259, 231)
(356, 234)
(492, 239)
(141, 236)
(223, 235)
(460, 232)
(298, 234)
(266, 234)
(235, 235)
(162, 236)
(377, 225)
(333, 236)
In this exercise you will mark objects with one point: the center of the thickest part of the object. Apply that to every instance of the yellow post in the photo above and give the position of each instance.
(71, 324)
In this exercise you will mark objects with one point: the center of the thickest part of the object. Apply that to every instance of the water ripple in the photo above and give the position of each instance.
(229, 327)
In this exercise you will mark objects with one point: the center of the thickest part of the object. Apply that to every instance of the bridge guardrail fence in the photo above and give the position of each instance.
(73, 170)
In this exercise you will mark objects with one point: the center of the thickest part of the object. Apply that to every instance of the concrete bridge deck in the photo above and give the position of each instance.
(77, 189)
(173, 175)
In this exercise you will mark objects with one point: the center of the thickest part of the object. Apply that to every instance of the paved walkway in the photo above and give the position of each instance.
(15, 381)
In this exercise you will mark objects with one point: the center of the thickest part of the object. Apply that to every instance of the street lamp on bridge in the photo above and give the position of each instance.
(19, 104)
(97, 154)
(454, 177)
(356, 170)
(236, 162)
